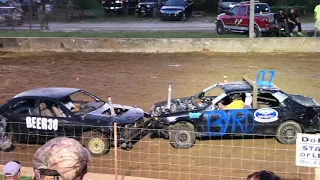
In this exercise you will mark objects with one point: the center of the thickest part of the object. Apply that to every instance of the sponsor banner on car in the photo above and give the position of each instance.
(265, 115)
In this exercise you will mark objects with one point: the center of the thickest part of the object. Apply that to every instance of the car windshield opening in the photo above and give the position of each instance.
(81, 102)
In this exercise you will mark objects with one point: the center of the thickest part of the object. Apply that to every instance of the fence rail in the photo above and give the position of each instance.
(216, 158)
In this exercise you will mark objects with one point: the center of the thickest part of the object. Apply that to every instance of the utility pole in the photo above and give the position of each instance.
(251, 21)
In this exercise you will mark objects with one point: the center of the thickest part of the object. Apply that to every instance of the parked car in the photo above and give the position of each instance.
(3, 3)
(37, 115)
(177, 10)
(237, 20)
(119, 6)
(10, 16)
(148, 7)
(226, 5)
(268, 111)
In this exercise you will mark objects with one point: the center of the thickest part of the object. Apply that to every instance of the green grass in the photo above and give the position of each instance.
(119, 34)
(21, 178)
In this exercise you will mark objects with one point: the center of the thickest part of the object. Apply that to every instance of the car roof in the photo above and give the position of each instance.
(247, 4)
(243, 86)
(49, 92)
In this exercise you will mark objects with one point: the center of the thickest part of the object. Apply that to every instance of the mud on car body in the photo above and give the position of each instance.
(267, 111)
(37, 115)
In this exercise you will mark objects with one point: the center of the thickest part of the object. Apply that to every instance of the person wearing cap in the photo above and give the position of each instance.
(11, 170)
(63, 158)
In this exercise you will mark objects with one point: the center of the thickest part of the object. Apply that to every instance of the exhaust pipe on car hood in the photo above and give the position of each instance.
(111, 107)
(169, 96)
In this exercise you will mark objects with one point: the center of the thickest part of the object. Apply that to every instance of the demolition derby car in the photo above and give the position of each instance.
(37, 115)
(267, 111)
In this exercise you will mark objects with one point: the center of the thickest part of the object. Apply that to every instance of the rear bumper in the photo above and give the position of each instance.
(269, 29)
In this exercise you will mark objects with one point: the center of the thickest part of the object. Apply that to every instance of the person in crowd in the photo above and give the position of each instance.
(41, 17)
(293, 21)
(63, 158)
(282, 22)
(18, 6)
(317, 19)
(11, 170)
(263, 175)
(48, 14)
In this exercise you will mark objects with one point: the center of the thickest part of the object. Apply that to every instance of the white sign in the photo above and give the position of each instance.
(308, 150)
(42, 123)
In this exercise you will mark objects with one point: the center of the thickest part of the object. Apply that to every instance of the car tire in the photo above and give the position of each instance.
(257, 32)
(96, 142)
(287, 132)
(220, 28)
(182, 135)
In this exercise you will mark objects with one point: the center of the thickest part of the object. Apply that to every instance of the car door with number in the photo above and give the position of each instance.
(59, 119)
(243, 19)
(230, 17)
(222, 122)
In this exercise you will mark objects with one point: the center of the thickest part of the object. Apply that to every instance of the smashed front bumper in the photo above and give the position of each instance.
(133, 132)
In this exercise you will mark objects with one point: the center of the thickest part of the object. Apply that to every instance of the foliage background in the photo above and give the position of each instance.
(210, 6)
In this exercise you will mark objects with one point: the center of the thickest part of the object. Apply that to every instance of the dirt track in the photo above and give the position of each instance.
(142, 79)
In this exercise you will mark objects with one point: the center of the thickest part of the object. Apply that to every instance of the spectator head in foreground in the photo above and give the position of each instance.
(61, 158)
(263, 175)
(11, 170)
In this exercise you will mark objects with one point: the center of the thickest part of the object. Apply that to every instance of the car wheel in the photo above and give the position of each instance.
(220, 28)
(184, 17)
(257, 32)
(96, 142)
(182, 135)
(287, 132)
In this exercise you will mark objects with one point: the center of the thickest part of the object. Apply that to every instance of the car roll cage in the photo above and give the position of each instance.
(254, 91)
